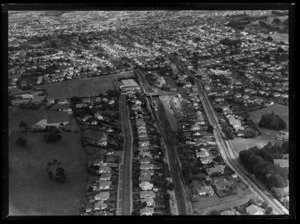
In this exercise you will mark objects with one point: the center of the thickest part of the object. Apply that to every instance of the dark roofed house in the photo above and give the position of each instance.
(215, 169)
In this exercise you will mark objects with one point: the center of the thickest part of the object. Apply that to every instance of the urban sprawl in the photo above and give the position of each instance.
(156, 100)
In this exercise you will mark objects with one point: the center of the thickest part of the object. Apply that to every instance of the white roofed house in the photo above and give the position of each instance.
(104, 169)
(146, 186)
(98, 116)
(102, 140)
(105, 176)
(150, 201)
(147, 194)
(104, 185)
(56, 119)
(144, 154)
(254, 210)
(100, 205)
(104, 195)
(148, 166)
(147, 211)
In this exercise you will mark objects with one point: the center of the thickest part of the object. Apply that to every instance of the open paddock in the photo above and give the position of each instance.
(31, 191)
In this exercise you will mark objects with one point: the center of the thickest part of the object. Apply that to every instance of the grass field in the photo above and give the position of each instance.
(83, 87)
(266, 134)
(31, 192)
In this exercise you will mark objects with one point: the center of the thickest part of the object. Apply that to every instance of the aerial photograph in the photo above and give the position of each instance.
(148, 113)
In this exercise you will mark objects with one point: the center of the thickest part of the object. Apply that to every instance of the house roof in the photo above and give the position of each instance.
(145, 184)
(254, 210)
(147, 210)
(104, 195)
(148, 200)
(215, 169)
(104, 183)
(146, 194)
(282, 162)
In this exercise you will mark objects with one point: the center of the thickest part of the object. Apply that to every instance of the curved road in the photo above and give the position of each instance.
(232, 160)
(227, 151)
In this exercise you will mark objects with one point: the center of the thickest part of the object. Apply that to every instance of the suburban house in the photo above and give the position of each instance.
(254, 210)
(206, 159)
(148, 166)
(100, 205)
(105, 176)
(145, 154)
(104, 169)
(147, 211)
(144, 178)
(98, 116)
(147, 194)
(205, 190)
(150, 201)
(221, 183)
(54, 119)
(104, 195)
(229, 212)
(283, 163)
(147, 172)
(146, 186)
(203, 153)
(145, 160)
(103, 185)
(215, 169)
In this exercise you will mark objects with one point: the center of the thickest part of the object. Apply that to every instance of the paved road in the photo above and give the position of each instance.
(174, 166)
(231, 158)
(227, 150)
(125, 192)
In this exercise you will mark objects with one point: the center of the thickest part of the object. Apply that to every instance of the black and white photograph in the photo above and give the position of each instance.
(178, 110)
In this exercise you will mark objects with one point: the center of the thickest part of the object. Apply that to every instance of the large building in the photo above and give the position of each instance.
(129, 85)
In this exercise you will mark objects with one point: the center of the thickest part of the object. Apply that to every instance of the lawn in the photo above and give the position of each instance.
(80, 87)
(267, 135)
(31, 192)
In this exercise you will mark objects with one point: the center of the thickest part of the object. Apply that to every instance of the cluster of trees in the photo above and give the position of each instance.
(260, 163)
(272, 121)
(55, 171)
(230, 42)
(52, 137)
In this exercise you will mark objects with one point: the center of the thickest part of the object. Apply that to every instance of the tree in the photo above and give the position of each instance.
(74, 100)
(276, 21)
(269, 38)
(278, 192)
(21, 142)
(170, 186)
(52, 137)
(215, 212)
(272, 121)
(268, 211)
(23, 126)
(275, 180)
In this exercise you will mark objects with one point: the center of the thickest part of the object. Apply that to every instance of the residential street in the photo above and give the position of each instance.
(125, 197)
